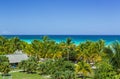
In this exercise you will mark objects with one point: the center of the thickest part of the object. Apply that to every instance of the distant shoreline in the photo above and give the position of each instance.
(76, 39)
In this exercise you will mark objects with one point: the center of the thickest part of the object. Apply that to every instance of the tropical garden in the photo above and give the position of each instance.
(64, 60)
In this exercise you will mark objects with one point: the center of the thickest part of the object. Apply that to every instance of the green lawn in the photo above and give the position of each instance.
(21, 75)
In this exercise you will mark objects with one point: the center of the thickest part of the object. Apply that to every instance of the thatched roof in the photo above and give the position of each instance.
(17, 57)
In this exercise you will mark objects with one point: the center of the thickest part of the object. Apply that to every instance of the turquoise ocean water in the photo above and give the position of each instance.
(75, 38)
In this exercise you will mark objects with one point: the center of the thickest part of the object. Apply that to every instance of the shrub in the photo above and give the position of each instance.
(29, 65)
(4, 65)
(58, 69)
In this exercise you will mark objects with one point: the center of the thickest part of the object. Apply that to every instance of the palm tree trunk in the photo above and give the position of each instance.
(67, 54)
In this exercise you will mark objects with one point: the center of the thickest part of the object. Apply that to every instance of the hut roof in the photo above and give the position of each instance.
(17, 57)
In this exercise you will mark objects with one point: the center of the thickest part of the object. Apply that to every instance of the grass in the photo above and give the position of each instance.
(21, 75)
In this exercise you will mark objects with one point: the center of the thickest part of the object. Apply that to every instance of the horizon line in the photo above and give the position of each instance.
(65, 34)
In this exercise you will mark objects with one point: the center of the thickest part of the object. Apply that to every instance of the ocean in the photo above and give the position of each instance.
(75, 38)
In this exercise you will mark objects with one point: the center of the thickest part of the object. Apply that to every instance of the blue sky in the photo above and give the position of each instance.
(90, 17)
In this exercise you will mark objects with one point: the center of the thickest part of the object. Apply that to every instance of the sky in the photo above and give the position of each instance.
(60, 17)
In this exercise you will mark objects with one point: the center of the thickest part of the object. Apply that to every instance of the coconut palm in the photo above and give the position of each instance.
(89, 51)
(28, 49)
(116, 57)
(67, 48)
(16, 43)
(83, 68)
(68, 42)
(3, 41)
(113, 54)
(84, 51)
(107, 53)
(37, 48)
(104, 71)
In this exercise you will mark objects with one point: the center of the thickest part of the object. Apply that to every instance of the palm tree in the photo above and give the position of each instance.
(89, 51)
(3, 41)
(100, 45)
(104, 70)
(107, 53)
(84, 51)
(28, 49)
(68, 43)
(115, 60)
(16, 43)
(37, 47)
(112, 53)
(83, 68)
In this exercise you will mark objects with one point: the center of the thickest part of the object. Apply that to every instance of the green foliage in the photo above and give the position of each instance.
(115, 60)
(89, 51)
(113, 55)
(68, 41)
(59, 69)
(23, 65)
(64, 75)
(104, 71)
(29, 65)
(108, 53)
(82, 68)
(4, 65)
(9, 46)
(83, 54)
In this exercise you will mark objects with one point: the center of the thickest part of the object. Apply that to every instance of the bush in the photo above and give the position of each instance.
(29, 65)
(4, 65)
(63, 75)
(58, 69)
(104, 71)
